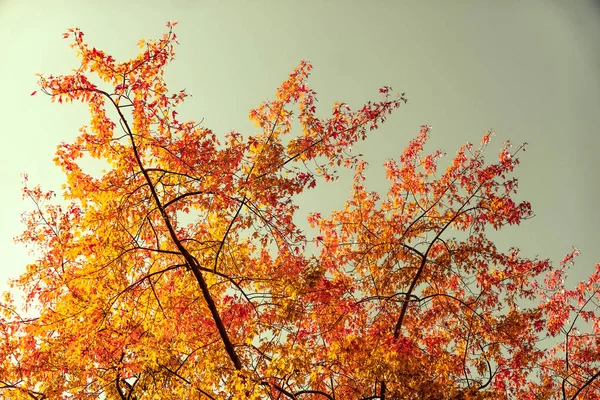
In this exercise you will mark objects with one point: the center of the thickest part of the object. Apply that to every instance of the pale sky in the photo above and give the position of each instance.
(528, 69)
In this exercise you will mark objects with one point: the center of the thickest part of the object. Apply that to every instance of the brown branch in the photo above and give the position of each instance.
(190, 260)
(423, 263)
(587, 383)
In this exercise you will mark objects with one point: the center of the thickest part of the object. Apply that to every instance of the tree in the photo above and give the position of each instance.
(181, 272)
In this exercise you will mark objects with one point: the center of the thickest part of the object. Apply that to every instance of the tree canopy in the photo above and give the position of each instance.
(181, 270)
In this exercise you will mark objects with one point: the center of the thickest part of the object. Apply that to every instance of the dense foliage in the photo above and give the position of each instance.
(181, 272)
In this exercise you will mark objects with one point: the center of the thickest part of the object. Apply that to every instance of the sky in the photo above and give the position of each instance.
(530, 70)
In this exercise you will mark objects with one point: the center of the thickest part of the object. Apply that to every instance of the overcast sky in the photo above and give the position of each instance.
(528, 69)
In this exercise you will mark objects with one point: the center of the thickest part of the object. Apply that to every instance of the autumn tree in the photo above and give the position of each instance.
(181, 271)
